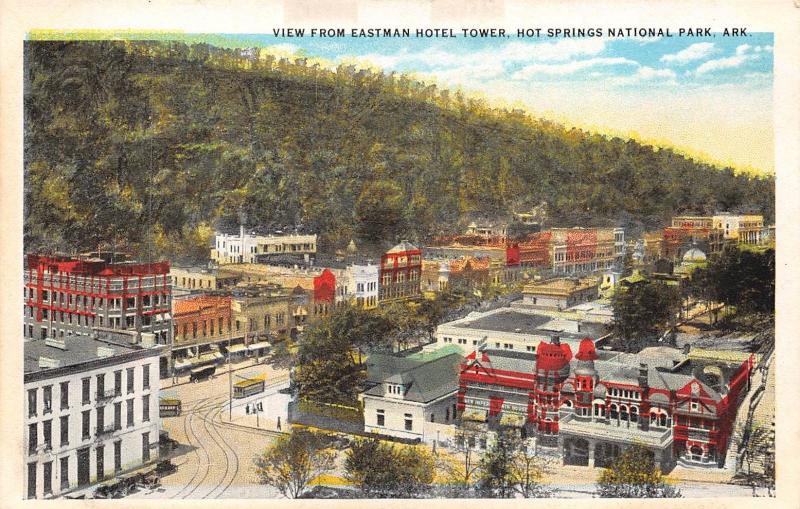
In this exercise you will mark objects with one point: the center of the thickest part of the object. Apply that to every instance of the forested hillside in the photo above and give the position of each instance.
(152, 145)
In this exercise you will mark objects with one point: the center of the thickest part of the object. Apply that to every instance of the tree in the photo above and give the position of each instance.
(526, 474)
(633, 474)
(642, 311)
(382, 470)
(293, 462)
(743, 278)
(330, 367)
(509, 468)
(462, 467)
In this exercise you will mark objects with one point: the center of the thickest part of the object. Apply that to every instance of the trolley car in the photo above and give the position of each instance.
(248, 387)
(169, 407)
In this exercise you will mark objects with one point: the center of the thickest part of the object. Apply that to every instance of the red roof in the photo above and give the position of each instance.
(552, 357)
(586, 351)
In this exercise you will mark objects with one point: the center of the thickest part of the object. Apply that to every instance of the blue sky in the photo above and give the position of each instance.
(710, 97)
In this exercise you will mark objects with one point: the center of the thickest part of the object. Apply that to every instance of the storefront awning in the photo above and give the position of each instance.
(513, 420)
(208, 357)
(474, 415)
(259, 345)
(183, 363)
(237, 348)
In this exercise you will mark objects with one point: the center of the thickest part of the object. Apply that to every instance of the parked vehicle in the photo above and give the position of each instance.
(203, 373)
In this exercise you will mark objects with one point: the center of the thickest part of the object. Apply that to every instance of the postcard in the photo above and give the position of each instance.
(375, 250)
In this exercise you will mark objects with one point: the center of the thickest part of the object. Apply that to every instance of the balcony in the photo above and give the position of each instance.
(103, 396)
(106, 430)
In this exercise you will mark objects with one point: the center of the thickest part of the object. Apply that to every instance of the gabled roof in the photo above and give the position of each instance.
(402, 247)
(424, 382)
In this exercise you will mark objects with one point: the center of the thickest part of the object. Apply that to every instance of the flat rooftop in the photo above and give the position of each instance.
(518, 322)
(78, 350)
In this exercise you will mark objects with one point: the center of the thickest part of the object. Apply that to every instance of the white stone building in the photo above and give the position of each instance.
(248, 247)
(364, 284)
(91, 412)
(514, 328)
(411, 399)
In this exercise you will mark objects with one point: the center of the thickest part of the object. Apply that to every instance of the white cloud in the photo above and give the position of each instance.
(532, 70)
(722, 63)
(697, 51)
(645, 40)
(647, 74)
(513, 52)
(742, 49)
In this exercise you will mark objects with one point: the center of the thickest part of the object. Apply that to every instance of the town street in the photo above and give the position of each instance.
(215, 458)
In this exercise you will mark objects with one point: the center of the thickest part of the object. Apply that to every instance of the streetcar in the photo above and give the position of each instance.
(169, 407)
(199, 374)
(248, 387)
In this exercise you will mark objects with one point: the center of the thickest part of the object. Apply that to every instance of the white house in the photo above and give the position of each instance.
(91, 412)
(411, 399)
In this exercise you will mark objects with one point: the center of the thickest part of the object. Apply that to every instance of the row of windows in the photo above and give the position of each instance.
(87, 302)
(82, 459)
(86, 434)
(371, 286)
(86, 396)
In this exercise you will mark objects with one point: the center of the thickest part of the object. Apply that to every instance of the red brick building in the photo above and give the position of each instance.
(400, 271)
(202, 319)
(595, 404)
(68, 296)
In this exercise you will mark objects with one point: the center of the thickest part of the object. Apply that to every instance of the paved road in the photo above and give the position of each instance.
(217, 458)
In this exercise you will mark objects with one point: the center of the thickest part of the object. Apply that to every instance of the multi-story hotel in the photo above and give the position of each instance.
(741, 228)
(400, 273)
(596, 403)
(251, 248)
(91, 411)
(585, 250)
(68, 296)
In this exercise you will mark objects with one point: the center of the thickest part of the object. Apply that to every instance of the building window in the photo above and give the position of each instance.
(130, 380)
(146, 377)
(408, 422)
(118, 456)
(101, 385)
(145, 447)
(101, 419)
(64, 430)
(32, 402)
(32, 480)
(33, 438)
(118, 415)
(47, 399)
(146, 408)
(117, 382)
(381, 418)
(47, 431)
(101, 467)
(433, 419)
(64, 472)
(64, 395)
(48, 477)
(129, 405)
(85, 394)
(85, 418)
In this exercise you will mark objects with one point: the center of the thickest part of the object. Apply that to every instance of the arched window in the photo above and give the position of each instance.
(623, 413)
(612, 411)
(634, 414)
